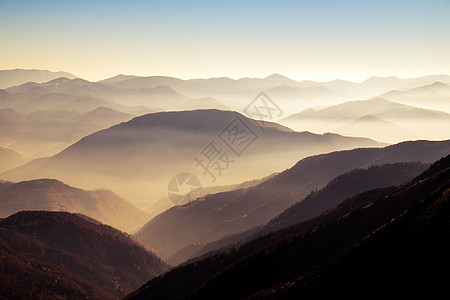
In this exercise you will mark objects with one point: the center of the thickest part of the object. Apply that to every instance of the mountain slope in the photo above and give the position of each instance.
(10, 159)
(281, 257)
(53, 195)
(344, 186)
(82, 247)
(233, 212)
(155, 147)
(316, 203)
(407, 256)
(375, 128)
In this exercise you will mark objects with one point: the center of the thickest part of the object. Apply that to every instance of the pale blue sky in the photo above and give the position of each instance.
(317, 40)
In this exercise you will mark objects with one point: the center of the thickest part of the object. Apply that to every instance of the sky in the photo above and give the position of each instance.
(304, 40)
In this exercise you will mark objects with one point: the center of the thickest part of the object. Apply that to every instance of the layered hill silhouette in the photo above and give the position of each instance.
(82, 95)
(138, 158)
(377, 128)
(222, 214)
(9, 78)
(289, 94)
(390, 235)
(61, 255)
(135, 95)
(316, 203)
(334, 213)
(406, 256)
(160, 92)
(376, 85)
(432, 96)
(370, 87)
(53, 195)
(46, 133)
(376, 118)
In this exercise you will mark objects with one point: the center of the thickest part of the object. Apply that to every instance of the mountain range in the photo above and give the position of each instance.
(389, 237)
(160, 92)
(314, 204)
(45, 133)
(155, 147)
(224, 85)
(376, 118)
(9, 78)
(249, 188)
(432, 96)
(239, 210)
(136, 95)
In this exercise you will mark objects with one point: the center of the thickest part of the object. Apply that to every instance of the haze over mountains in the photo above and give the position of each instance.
(44, 133)
(42, 119)
(282, 182)
(161, 92)
(432, 96)
(53, 195)
(135, 95)
(155, 147)
(10, 159)
(239, 210)
(376, 118)
(9, 78)
(277, 85)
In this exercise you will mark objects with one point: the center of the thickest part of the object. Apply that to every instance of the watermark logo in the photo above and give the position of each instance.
(264, 109)
(184, 188)
(213, 160)
(238, 136)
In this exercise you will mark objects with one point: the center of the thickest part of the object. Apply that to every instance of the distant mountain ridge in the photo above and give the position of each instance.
(288, 93)
(432, 96)
(147, 143)
(137, 95)
(44, 133)
(389, 121)
(9, 78)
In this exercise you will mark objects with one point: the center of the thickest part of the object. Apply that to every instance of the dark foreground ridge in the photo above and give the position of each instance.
(56, 255)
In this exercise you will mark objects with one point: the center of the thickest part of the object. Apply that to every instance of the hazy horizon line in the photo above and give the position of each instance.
(361, 80)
